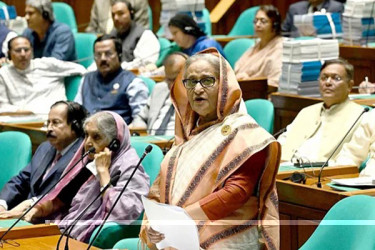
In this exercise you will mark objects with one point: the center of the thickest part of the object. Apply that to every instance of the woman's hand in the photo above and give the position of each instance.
(154, 236)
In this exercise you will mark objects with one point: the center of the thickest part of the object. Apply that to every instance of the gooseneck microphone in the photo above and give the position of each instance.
(91, 150)
(279, 132)
(319, 184)
(147, 150)
(112, 182)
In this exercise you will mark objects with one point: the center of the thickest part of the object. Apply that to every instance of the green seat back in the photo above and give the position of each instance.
(71, 86)
(244, 23)
(65, 14)
(2, 4)
(349, 224)
(262, 111)
(150, 21)
(235, 49)
(15, 154)
(113, 232)
(207, 22)
(85, 48)
(130, 244)
(149, 82)
(166, 48)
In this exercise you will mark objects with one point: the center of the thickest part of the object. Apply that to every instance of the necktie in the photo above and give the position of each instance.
(163, 126)
(57, 157)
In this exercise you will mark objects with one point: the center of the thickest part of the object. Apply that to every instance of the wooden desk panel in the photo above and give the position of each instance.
(302, 206)
(46, 243)
(363, 60)
(21, 232)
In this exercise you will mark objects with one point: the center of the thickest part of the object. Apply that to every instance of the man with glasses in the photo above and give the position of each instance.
(28, 84)
(64, 136)
(110, 87)
(305, 7)
(318, 129)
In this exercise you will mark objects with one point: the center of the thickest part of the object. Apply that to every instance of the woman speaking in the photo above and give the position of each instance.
(222, 167)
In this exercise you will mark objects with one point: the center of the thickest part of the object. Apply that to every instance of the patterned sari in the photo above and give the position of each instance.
(203, 158)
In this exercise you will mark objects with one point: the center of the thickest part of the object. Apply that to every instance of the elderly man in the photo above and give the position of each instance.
(33, 84)
(158, 115)
(305, 7)
(318, 129)
(48, 37)
(140, 47)
(110, 87)
(64, 135)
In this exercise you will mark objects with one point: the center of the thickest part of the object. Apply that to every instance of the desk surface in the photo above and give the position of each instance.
(44, 243)
(302, 206)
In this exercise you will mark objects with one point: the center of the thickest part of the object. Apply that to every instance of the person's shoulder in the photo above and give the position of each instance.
(298, 6)
(44, 147)
(27, 32)
(60, 27)
(312, 108)
(335, 6)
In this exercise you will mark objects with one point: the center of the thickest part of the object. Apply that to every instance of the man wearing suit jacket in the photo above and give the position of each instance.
(64, 136)
(304, 7)
(158, 115)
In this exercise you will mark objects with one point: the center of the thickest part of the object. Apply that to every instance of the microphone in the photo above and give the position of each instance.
(319, 184)
(91, 150)
(279, 132)
(112, 182)
(147, 150)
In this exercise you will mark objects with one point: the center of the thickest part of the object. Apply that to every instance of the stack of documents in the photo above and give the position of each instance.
(300, 78)
(322, 25)
(358, 22)
(302, 60)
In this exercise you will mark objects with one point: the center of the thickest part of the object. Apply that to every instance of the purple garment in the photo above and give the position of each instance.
(129, 206)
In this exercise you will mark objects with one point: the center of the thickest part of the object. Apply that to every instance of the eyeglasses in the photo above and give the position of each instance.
(19, 50)
(107, 54)
(263, 21)
(333, 78)
(204, 82)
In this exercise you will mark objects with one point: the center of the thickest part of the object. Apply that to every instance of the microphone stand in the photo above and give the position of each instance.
(91, 150)
(319, 184)
(147, 150)
(112, 182)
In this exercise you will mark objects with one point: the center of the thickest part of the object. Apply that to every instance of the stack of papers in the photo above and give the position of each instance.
(322, 25)
(298, 50)
(358, 22)
(300, 78)
(356, 182)
(302, 60)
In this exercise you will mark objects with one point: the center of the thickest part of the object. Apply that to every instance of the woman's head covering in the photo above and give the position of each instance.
(229, 98)
(186, 24)
(123, 135)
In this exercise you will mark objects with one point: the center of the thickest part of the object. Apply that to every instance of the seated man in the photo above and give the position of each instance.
(305, 7)
(318, 129)
(33, 84)
(158, 115)
(139, 46)
(360, 146)
(48, 37)
(110, 87)
(101, 20)
(64, 135)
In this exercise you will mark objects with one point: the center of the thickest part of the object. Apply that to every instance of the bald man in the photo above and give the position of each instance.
(158, 115)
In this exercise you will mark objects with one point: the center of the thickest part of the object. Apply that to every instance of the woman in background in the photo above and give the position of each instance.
(265, 58)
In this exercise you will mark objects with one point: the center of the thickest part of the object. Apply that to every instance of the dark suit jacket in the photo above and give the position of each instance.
(301, 8)
(29, 182)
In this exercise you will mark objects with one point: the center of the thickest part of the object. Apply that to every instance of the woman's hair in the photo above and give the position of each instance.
(210, 58)
(106, 124)
(273, 13)
(186, 24)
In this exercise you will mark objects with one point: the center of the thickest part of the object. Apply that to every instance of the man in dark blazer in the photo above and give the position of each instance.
(64, 136)
(304, 7)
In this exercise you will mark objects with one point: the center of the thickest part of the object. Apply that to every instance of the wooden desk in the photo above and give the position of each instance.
(287, 106)
(256, 87)
(363, 60)
(46, 243)
(21, 232)
(302, 206)
(38, 135)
